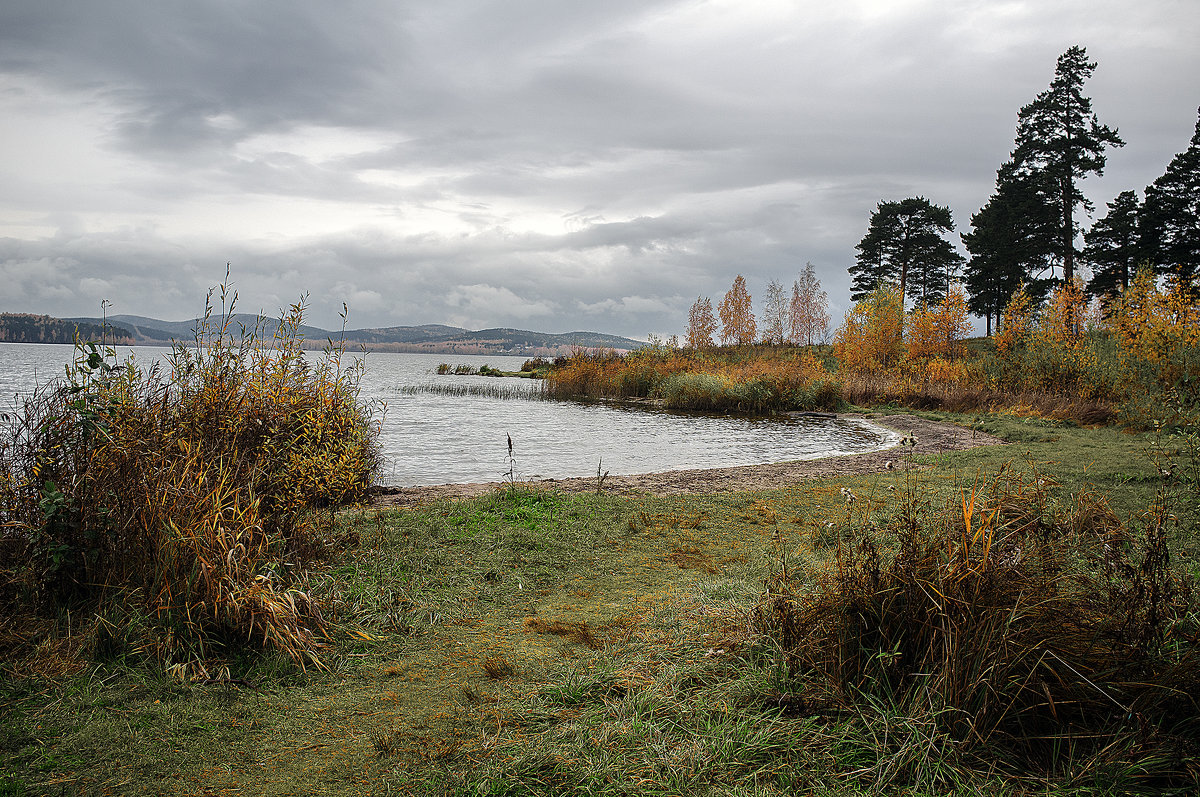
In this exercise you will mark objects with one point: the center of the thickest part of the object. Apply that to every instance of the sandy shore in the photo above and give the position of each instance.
(932, 436)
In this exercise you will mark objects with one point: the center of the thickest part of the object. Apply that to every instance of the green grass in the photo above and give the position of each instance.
(530, 642)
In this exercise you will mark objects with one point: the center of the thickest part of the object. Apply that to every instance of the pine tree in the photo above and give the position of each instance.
(1012, 243)
(737, 314)
(904, 244)
(1059, 136)
(1171, 216)
(1112, 248)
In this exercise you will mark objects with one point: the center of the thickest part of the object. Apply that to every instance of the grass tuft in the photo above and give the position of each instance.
(172, 513)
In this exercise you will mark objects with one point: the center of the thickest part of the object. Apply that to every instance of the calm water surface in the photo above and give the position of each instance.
(431, 438)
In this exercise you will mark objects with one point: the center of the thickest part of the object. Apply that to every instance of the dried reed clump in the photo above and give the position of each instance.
(1036, 638)
(744, 379)
(180, 506)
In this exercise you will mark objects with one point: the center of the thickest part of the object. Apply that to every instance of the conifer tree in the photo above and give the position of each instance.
(1170, 226)
(1060, 137)
(904, 245)
(1112, 248)
(1012, 243)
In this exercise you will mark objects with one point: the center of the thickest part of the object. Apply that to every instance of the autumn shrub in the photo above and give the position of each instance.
(180, 506)
(752, 379)
(938, 331)
(871, 337)
(1027, 638)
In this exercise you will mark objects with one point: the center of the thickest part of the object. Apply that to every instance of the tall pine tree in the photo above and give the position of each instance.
(904, 245)
(1060, 137)
(1112, 248)
(1171, 216)
(1011, 243)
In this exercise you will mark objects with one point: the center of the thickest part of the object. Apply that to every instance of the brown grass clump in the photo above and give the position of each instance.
(1044, 639)
(498, 668)
(580, 633)
(178, 509)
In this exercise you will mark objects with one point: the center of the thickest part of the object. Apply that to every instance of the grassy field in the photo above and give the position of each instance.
(535, 643)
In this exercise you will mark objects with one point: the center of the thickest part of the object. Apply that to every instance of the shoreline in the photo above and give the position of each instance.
(932, 437)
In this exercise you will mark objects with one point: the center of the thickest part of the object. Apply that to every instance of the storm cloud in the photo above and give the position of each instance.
(547, 165)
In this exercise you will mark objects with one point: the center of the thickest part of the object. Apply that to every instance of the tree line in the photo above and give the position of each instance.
(802, 319)
(1025, 237)
(29, 328)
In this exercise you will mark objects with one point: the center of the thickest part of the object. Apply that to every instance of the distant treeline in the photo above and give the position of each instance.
(28, 328)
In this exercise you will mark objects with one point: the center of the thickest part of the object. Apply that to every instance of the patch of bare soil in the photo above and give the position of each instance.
(932, 437)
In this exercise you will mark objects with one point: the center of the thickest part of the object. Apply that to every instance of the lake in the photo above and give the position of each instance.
(434, 438)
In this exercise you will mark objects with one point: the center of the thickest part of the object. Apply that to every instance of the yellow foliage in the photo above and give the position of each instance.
(871, 335)
(1066, 314)
(1017, 323)
(938, 331)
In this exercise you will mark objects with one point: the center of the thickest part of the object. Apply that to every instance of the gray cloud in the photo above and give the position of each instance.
(526, 163)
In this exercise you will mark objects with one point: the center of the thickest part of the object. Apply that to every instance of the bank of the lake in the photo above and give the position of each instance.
(539, 641)
(432, 435)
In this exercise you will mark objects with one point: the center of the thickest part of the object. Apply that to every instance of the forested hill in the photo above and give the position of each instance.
(28, 328)
(429, 338)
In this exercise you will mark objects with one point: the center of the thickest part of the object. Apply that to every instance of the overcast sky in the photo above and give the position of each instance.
(544, 164)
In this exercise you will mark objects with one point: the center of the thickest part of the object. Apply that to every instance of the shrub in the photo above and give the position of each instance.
(186, 500)
(1006, 629)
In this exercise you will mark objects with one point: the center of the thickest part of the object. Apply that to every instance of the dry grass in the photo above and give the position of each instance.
(1010, 632)
(578, 632)
(746, 379)
(177, 510)
(498, 668)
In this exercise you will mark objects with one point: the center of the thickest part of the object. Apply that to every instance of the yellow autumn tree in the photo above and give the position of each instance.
(737, 315)
(871, 337)
(1066, 314)
(1016, 323)
(701, 324)
(1152, 323)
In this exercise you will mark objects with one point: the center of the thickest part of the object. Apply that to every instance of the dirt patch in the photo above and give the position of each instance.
(932, 437)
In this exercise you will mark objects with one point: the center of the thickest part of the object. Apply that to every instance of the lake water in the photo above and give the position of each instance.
(433, 438)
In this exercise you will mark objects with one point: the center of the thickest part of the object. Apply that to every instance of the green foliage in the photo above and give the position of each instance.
(904, 245)
(184, 498)
(1112, 248)
(1061, 140)
(1170, 220)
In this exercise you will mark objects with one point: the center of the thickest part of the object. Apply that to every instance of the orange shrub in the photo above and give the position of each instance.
(938, 331)
(871, 335)
(1064, 318)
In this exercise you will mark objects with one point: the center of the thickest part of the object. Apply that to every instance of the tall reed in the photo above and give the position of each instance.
(178, 506)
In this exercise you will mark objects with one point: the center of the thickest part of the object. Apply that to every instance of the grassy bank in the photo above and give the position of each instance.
(535, 643)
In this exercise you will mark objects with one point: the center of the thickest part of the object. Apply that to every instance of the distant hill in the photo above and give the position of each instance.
(429, 338)
(28, 328)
